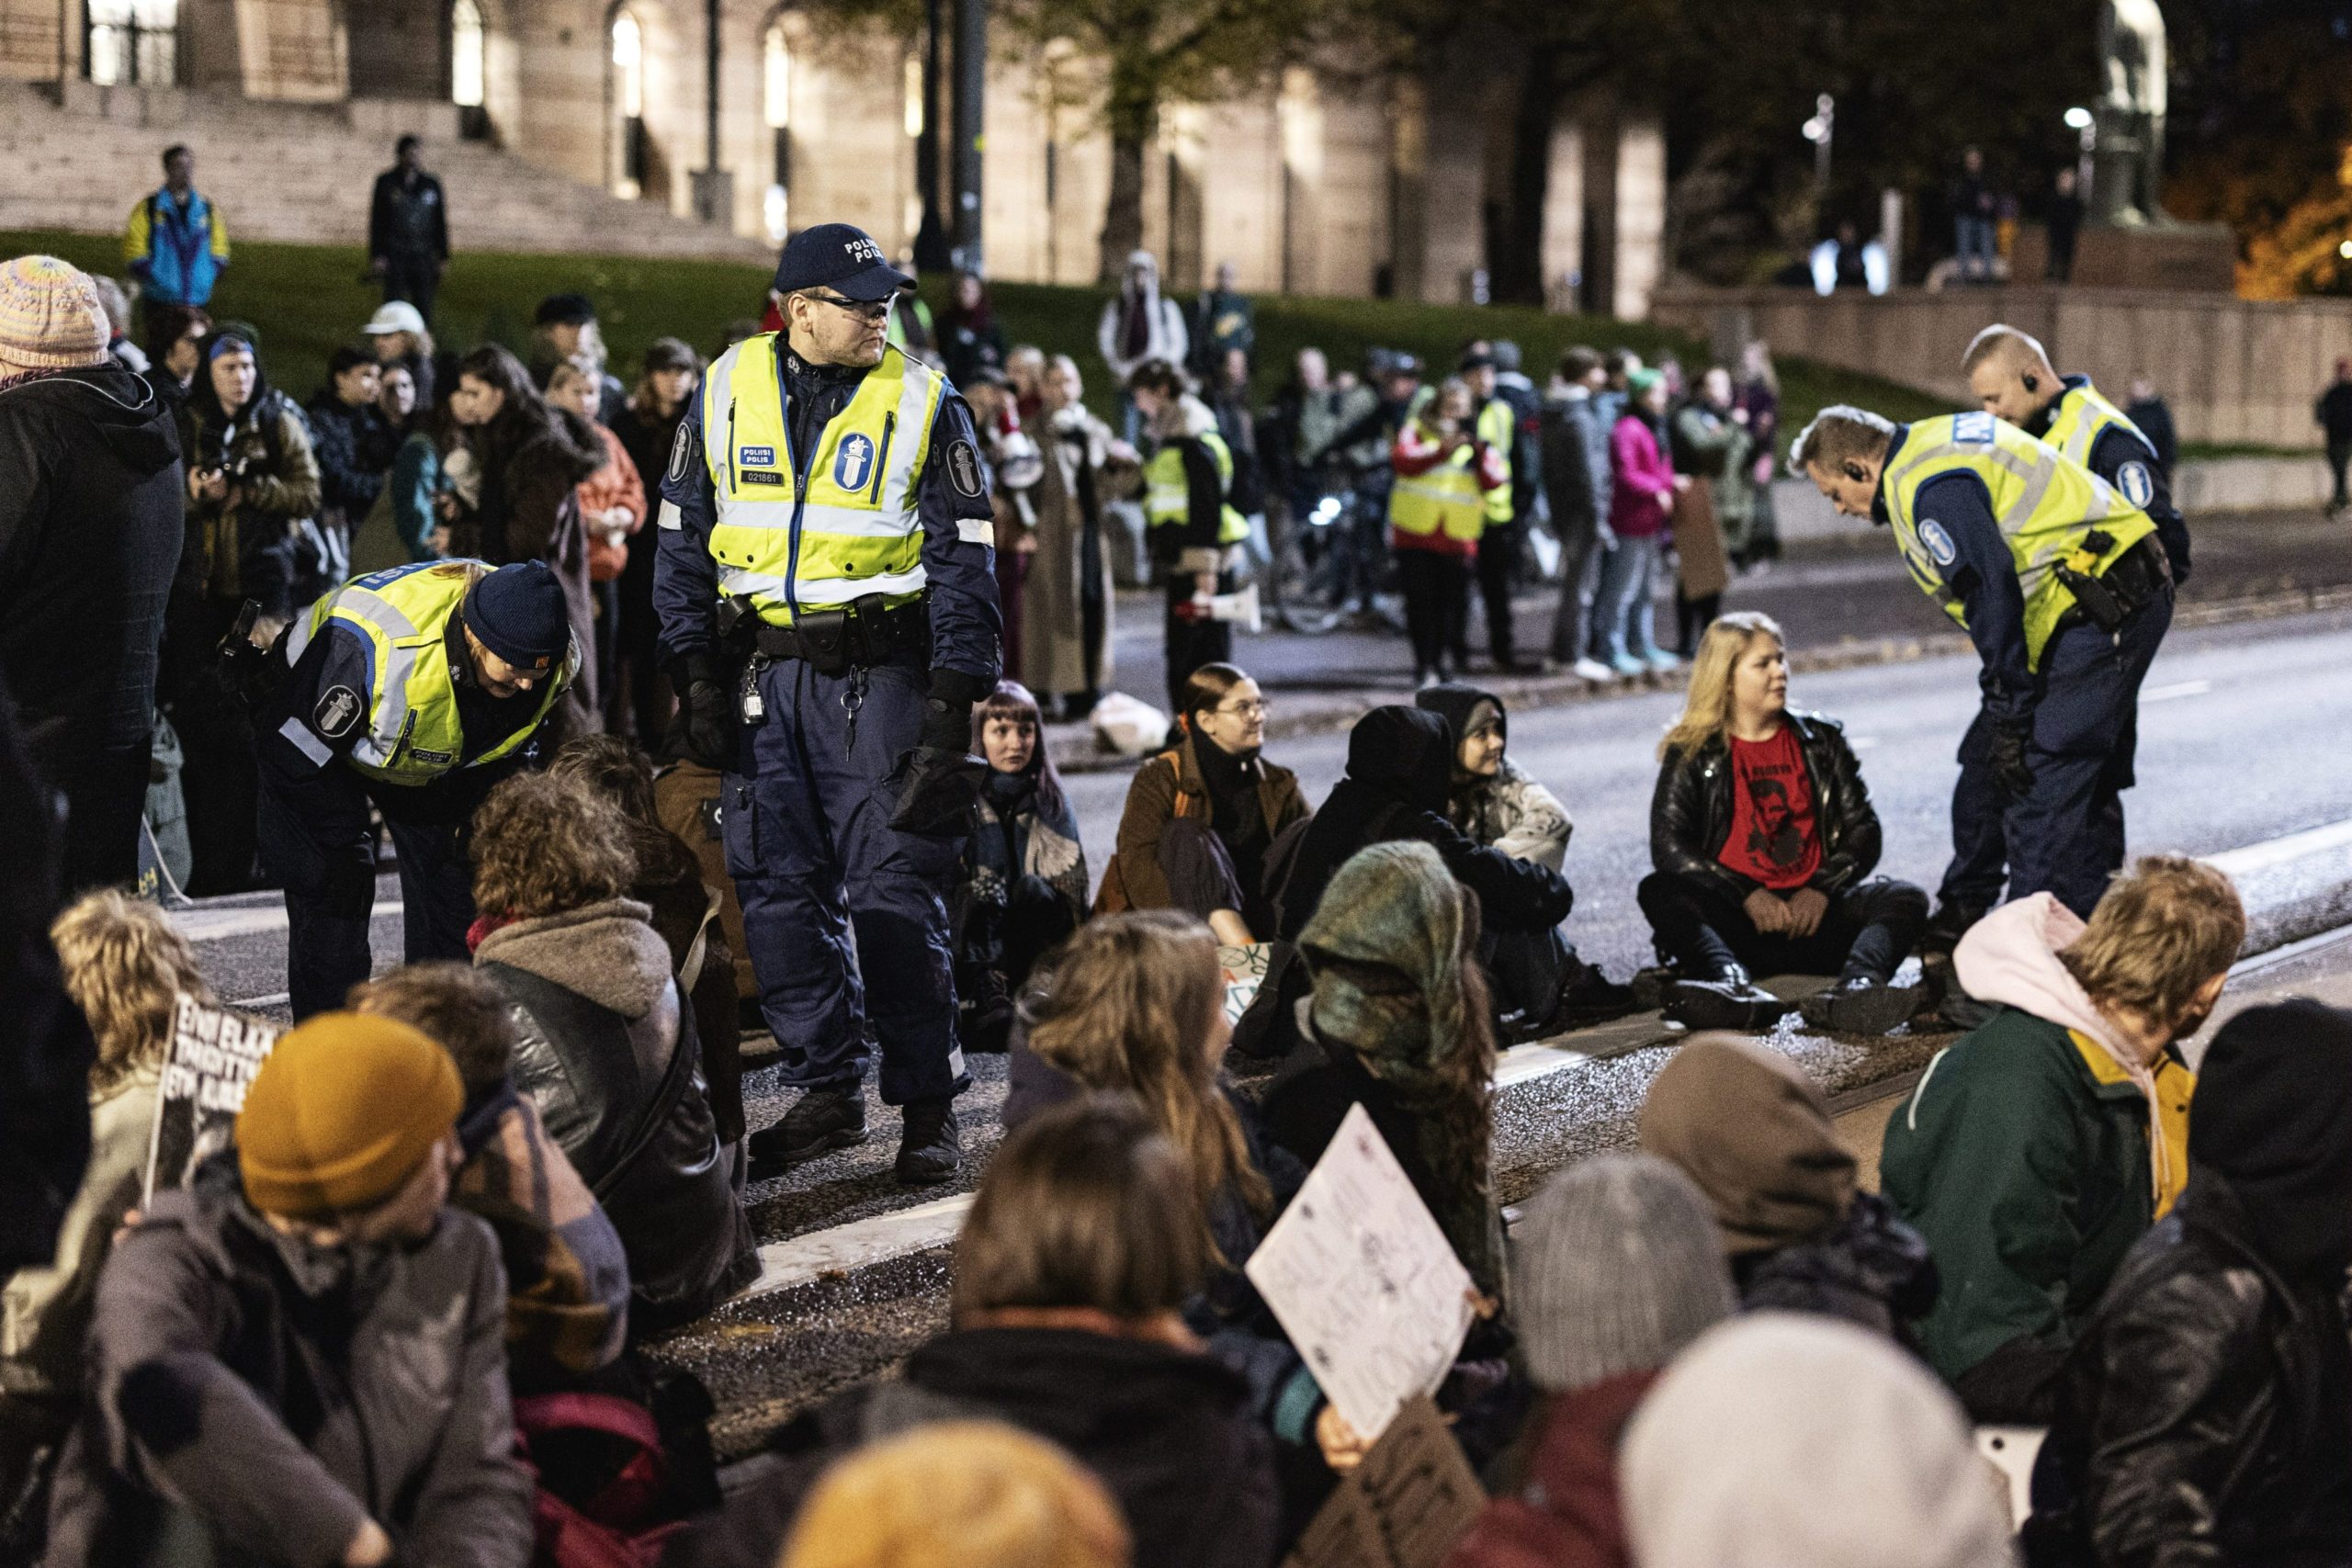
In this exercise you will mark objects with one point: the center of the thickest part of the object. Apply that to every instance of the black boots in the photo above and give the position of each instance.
(822, 1120)
(1731, 1000)
(930, 1148)
(1862, 1004)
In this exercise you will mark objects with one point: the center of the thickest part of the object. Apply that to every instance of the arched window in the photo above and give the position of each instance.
(469, 68)
(628, 103)
(132, 41)
(775, 110)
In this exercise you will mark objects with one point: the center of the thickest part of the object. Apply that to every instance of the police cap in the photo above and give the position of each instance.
(842, 257)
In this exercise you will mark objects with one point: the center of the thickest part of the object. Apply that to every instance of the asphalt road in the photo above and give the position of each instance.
(2240, 742)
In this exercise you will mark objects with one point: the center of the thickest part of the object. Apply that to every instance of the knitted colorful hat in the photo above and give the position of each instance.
(49, 317)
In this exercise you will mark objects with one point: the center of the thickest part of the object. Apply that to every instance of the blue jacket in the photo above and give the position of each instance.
(176, 252)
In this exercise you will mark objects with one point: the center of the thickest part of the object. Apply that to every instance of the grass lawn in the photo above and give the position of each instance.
(305, 300)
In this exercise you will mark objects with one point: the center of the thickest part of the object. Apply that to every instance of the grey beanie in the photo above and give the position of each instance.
(1615, 1268)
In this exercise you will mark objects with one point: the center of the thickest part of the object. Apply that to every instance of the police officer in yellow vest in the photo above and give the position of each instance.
(2011, 376)
(1188, 516)
(417, 690)
(2059, 581)
(825, 578)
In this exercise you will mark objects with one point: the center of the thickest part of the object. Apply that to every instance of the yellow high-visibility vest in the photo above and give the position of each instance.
(2046, 503)
(1498, 428)
(1168, 493)
(1447, 498)
(412, 735)
(854, 526)
(2081, 416)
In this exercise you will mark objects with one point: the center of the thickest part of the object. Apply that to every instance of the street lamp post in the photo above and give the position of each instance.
(2084, 125)
(1820, 130)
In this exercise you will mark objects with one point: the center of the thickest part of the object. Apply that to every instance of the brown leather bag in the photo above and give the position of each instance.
(1111, 898)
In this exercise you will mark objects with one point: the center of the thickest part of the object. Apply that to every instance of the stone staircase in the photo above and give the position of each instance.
(302, 173)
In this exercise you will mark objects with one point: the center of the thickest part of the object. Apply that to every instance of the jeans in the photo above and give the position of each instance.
(1624, 606)
(1702, 930)
(1974, 238)
(1581, 557)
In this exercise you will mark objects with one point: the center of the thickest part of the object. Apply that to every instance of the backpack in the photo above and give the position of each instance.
(613, 1526)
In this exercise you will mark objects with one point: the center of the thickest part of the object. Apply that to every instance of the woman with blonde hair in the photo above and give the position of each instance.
(1763, 836)
(125, 966)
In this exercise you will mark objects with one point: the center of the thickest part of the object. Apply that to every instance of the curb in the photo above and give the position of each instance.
(1075, 750)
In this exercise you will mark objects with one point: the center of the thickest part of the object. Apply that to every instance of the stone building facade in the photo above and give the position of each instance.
(1320, 182)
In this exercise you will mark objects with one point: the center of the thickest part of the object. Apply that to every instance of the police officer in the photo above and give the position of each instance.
(417, 690)
(1188, 516)
(826, 583)
(2059, 581)
(1497, 424)
(2009, 373)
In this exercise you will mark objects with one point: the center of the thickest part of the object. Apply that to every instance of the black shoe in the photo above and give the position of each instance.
(929, 1148)
(1733, 1001)
(822, 1120)
(1860, 1005)
(1592, 998)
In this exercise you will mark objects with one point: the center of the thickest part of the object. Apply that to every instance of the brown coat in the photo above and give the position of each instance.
(1151, 806)
(1699, 542)
(1053, 648)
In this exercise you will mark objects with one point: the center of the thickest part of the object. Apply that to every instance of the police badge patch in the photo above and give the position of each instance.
(1939, 543)
(964, 470)
(681, 452)
(2138, 487)
(337, 712)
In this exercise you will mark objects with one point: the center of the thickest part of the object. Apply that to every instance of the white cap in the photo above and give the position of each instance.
(395, 316)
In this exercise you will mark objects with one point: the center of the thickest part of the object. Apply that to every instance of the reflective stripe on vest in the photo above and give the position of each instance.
(1498, 428)
(2045, 504)
(1445, 499)
(1168, 493)
(853, 527)
(414, 735)
(2082, 416)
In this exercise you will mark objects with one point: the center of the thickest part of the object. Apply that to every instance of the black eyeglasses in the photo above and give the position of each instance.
(864, 309)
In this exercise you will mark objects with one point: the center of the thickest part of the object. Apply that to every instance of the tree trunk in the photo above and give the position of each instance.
(1516, 265)
(1123, 214)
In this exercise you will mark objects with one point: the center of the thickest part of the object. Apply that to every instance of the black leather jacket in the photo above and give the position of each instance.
(2205, 1416)
(624, 1099)
(1690, 815)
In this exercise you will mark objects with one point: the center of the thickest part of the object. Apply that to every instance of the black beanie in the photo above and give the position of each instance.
(2272, 1116)
(519, 613)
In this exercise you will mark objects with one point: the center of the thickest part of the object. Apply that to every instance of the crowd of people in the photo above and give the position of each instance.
(403, 1316)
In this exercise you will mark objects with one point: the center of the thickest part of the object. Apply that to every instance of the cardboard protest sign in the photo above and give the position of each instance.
(214, 1055)
(1244, 971)
(1407, 1505)
(1364, 1281)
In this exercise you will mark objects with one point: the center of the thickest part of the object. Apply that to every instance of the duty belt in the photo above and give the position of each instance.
(2135, 579)
(862, 634)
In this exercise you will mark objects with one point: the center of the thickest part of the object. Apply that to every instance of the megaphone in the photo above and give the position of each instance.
(1240, 608)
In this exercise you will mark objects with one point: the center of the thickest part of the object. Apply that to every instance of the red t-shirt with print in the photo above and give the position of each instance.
(1774, 839)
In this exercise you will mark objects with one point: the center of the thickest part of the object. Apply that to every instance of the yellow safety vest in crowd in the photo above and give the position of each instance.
(2047, 506)
(1168, 493)
(854, 527)
(1498, 428)
(2080, 417)
(1444, 500)
(412, 735)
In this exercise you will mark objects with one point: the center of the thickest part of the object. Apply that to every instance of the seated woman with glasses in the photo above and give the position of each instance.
(1201, 816)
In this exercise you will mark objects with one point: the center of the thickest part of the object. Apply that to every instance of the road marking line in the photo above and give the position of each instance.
(1534, 1060)
(2177, 690)
(804, 1259)
(271, 1001)
(201, 925)
(2245, 862)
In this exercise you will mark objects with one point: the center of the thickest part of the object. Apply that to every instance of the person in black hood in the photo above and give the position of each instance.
(1070, 1272)
(90, 482)
(2205, 1416)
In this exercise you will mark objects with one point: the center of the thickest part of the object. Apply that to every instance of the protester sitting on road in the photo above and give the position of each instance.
(1398, 786)
(605, 1050)
(1614, 1269)
(1399, 1022)
(1753, 1130)
(2041, 1147)
(125, 965)
(2204, 1410)
(669, 882)
(959, 1495)
(1023, 886)
(1782, 1439)
(1541, 986)
(1201, 815)
(1084, 1242)
(301, 1355)
(567, 1275)
(530, 458)
(1763, 836)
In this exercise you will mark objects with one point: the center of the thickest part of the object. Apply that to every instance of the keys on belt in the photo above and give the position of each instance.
(833, 641)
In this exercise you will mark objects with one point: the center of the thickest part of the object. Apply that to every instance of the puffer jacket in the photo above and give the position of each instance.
(1869, 1269)
(1690, 814)
(609, 1057)
(284, 1393)
(2206, 1416)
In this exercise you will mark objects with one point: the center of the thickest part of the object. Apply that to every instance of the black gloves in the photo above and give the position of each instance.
(705, 712)
(939, 782)
(2011, 770)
